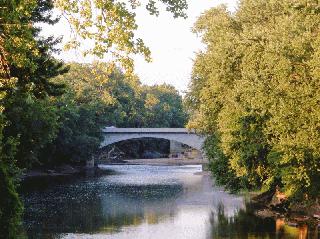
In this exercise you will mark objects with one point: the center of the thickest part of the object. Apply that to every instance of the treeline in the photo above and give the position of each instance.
(95, 98)
(66, 127)
(52, 112)
(255, 92)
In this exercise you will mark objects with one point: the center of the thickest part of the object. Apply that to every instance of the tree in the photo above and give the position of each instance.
(89, 104)
(21, 81)
(163, 107)
(255, 88)
(27, 108)
(10, 204)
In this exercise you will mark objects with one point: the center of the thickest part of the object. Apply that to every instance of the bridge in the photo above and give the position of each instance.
(112, 135)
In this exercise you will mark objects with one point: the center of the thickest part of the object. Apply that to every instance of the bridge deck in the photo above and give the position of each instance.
(112, 130)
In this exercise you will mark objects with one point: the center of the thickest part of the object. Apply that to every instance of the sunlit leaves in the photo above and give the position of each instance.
(16, 31)
(110, 27)
(257, 86)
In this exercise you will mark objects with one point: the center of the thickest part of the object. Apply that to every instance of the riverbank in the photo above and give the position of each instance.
(66, 170)
(294, 214)
(69, 170)
(62, 171)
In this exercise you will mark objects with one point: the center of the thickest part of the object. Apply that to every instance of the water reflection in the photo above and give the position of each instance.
(145, 202)
(245, 224)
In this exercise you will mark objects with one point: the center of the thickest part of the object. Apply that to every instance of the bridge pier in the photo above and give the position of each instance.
(175, 147)
(90, 163)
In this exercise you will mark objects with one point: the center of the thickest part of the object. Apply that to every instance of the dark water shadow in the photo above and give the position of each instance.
(95, 206)
(245, 224)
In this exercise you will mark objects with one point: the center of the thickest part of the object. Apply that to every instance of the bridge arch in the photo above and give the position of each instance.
(114, 135)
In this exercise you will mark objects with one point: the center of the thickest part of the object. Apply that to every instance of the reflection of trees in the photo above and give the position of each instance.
(93, 208)
(245, 224)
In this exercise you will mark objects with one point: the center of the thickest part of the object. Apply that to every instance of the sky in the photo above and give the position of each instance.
(171, 41)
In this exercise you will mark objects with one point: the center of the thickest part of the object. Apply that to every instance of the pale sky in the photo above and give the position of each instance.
(170, 40)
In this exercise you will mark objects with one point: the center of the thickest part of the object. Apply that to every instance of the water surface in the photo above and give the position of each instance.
(140, 201)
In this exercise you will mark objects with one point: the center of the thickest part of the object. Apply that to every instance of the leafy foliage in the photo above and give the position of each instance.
(163, 107)
(10, 204)
(95, 98)
(11, 52)
(219, 165)
(256, 88)
(34, 123)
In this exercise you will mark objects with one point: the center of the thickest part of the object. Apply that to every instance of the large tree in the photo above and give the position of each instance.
(27, 108)
(256, 88)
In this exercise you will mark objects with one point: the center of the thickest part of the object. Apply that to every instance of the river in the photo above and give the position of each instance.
(144, 201)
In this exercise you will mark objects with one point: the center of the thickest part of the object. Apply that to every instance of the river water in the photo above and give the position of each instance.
(143, 201)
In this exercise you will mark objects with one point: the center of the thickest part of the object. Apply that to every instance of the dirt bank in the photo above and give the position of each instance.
(61, 171)
(292, 213)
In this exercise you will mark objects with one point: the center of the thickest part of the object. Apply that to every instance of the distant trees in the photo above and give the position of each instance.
(163, 107)
(67, 128)
(95, 98)
(255, 91)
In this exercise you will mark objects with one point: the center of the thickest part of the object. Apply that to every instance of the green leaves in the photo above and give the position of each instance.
(96, 97)
(34, 123)
(256, 87)
(123, 101)
(163, 107)
(16, 31)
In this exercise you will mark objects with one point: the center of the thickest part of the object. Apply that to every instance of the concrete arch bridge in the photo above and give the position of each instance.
(113, 135)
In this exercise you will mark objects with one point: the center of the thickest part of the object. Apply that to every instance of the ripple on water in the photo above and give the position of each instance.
(138, 201)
